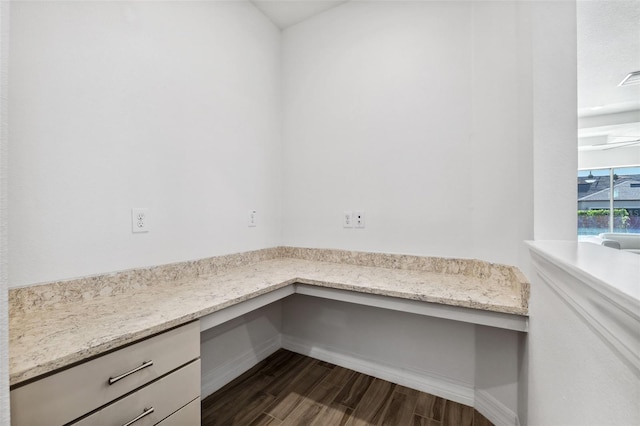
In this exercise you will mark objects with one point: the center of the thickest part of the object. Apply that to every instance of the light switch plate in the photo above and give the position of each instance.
(358, 219)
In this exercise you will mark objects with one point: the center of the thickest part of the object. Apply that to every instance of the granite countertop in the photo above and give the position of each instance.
(54, 325)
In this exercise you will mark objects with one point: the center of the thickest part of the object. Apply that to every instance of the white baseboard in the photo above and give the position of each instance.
(225, 373)
(416, 379)
(494, 410)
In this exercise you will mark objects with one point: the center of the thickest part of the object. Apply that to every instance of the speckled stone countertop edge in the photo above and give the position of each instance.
(471, 304)
(101, 285)
(74, 357)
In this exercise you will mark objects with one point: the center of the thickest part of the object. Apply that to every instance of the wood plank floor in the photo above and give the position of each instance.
(292, 389)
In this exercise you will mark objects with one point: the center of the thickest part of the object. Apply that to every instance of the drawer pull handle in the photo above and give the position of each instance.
(112, 380)
(145, 413)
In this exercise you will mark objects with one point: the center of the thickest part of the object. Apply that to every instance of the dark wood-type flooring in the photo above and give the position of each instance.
(292, 389)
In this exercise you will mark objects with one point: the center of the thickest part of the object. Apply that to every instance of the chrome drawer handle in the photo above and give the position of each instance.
(112, 380)
(145, 413)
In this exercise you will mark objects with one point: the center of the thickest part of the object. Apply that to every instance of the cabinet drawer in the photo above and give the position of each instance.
(189, 415)
(69, 394)
(152, 403)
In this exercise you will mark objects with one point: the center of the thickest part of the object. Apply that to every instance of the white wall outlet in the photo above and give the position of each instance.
(139, 220)
(358, 219)
(253, 217)
(347, 219)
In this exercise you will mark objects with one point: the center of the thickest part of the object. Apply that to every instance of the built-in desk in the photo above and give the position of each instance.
(437, 310)
(56, 325)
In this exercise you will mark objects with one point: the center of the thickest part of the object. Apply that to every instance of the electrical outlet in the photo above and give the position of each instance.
(358, 219)
(139, 220)
(347, 219)
(253, 217)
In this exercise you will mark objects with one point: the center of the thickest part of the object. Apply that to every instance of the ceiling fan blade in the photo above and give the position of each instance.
(618, 142)
(622, 145)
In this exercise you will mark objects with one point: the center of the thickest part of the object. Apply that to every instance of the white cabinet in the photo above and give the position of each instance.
(153, 403)
(148, 380)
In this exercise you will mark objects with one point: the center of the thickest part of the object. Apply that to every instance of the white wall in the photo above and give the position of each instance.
(574, 377)
(525, 130)
(173, 106)
(497, 374)
(551, 52)
(501, 154)
(230, 349)
(409, 111)
(555, 119)
(433, 352)
(4, 306)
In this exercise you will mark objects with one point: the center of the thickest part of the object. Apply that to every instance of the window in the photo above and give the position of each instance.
(609, 201)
